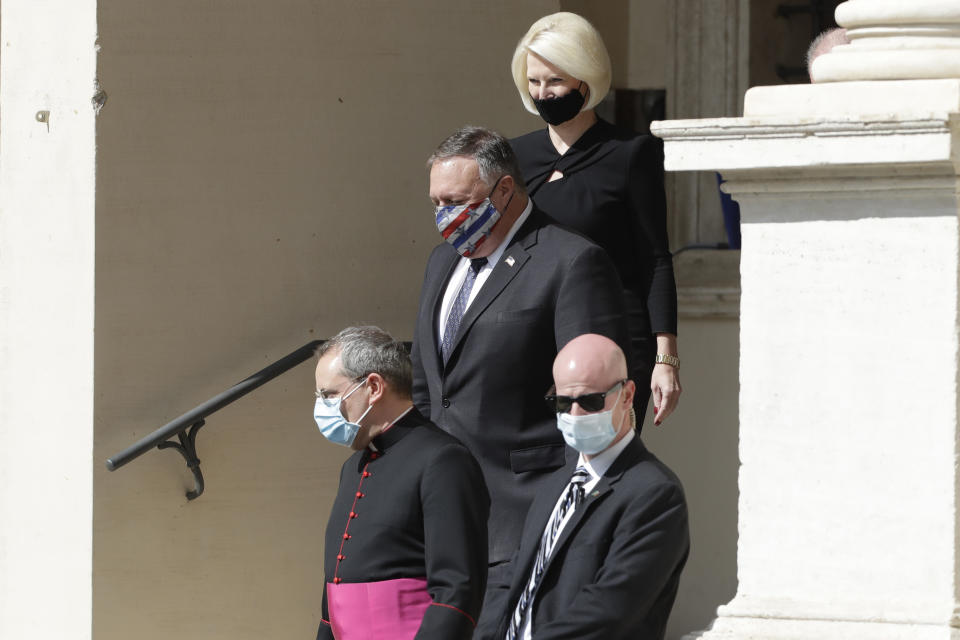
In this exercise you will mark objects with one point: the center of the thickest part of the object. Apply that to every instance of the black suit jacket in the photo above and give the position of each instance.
(616, 566)
(550, 285)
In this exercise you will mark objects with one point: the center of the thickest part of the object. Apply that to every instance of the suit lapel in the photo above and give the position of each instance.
(593, 497)
(514, 257)
(603, 487)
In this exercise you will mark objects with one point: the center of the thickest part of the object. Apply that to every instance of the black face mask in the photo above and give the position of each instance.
(558, 110)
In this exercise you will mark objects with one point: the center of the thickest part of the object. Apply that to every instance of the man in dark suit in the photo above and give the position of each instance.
(604, 543)
(500, 297)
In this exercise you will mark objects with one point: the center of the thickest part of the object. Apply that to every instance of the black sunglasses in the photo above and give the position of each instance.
(588, 402)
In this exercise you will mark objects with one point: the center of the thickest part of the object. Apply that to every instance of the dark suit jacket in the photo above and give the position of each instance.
(616, 565)
(550, 286)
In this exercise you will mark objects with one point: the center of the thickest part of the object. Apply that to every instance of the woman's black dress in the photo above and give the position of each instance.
(612, 192)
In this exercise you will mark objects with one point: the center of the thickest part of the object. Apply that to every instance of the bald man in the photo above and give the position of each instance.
(604, 544)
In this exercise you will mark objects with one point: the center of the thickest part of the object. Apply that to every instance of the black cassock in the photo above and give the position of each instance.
(406, 542)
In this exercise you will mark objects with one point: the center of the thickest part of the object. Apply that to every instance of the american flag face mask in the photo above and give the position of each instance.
(466, 226)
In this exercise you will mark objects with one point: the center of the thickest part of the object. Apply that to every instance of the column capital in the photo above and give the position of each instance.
(894, 40)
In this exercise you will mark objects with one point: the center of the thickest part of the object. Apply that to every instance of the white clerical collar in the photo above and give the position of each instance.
(372, 446)
(600, 463)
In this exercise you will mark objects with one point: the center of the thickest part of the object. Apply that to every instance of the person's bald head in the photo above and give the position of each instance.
(589, 357)
(592, 363)
(824, 43)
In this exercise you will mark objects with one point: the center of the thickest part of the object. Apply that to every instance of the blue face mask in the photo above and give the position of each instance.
(330, 420)
(588, 433)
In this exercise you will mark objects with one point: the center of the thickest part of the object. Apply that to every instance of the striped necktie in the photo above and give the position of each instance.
(458, 308)
(572, 498)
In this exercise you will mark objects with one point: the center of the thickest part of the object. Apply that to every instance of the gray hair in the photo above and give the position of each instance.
(368, 349)
(491, 150)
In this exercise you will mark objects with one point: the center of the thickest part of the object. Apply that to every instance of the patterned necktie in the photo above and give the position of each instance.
(571, 500)
(459, 307)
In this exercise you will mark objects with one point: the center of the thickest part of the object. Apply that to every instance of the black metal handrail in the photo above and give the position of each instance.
(185, 427)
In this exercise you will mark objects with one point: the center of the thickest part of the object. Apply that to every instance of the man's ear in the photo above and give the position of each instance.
(377, 386)
(629, 390)
(507, 185)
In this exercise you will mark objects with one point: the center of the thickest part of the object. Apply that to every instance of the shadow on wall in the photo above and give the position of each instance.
(260, 182)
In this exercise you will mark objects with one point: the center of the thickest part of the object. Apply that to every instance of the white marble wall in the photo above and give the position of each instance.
(46, 317)
(849, 344)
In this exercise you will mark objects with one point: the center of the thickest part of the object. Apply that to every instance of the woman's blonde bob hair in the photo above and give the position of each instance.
(570, 43)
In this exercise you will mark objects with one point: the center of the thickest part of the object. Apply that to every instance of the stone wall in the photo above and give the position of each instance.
(46, 317)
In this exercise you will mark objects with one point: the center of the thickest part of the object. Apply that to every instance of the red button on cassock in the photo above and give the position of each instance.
(346, 536)
(353, 515)
(359, 495)
(336, 581)
(366, 474)
(341, 557)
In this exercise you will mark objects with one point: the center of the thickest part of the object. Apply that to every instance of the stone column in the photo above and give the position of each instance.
(706, 75)
(47, 71)
(849, 347)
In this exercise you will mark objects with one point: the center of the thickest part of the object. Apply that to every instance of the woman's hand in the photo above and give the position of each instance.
(665, 381)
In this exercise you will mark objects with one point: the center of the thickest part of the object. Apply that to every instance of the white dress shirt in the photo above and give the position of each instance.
(596, 466)
(460, 273)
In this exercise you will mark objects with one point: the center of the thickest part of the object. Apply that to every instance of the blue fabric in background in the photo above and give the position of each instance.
(731, 215)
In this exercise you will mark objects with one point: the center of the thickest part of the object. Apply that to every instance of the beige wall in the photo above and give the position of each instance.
(260, 183)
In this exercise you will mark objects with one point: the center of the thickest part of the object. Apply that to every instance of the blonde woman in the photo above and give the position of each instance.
(605, 182)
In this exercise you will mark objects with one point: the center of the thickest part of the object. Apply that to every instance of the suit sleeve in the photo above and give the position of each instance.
(648, 203)
(421, 391)
(455, 510)
(324, 630)
(648, 549)
(591, 300)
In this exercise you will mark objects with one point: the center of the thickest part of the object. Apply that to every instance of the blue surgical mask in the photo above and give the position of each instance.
(330, 420)
(588, 433)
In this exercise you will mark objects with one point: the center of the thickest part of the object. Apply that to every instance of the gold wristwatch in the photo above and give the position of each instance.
(673, 361)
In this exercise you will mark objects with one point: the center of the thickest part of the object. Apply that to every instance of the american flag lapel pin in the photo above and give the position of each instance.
(594, 494)
(509, 261)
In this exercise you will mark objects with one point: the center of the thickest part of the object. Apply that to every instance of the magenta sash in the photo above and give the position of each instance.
(384, 610)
